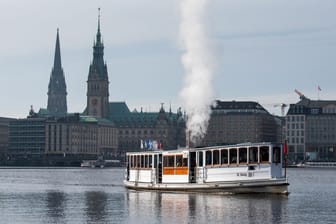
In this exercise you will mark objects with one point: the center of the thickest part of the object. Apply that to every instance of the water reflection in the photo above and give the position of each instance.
(205, 208)
(96, 206)
(56, 203)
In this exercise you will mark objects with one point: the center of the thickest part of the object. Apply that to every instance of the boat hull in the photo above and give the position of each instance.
(241, 187)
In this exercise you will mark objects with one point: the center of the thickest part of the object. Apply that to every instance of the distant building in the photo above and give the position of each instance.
(311, 130)
(141, 130)
(4, 133)
(60, 140)
(235, 122)
(80, 137)
(26, 139)
(57, 103)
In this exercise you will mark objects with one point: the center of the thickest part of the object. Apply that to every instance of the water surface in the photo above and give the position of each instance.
(98, 196)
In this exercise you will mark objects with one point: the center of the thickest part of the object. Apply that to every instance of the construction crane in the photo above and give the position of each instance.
(302, 97)
(283, 107)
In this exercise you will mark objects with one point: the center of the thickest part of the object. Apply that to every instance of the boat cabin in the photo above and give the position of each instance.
(257, 161)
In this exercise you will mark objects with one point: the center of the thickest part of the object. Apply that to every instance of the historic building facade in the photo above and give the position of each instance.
(311, 130)
(81, 137)
(147, 130)
(63, 140)
(233, 122)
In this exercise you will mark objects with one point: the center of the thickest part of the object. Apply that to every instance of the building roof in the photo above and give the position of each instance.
(308, 106)
(118, 108)
(238, 107)
(120, 114)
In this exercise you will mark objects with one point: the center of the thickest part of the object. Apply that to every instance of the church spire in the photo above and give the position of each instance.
(57, 103)
(57, 59)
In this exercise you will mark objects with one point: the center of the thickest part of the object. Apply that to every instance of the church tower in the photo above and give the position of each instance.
(97, 83)
(57, 103)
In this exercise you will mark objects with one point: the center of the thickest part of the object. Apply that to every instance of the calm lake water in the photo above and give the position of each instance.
(98, 196)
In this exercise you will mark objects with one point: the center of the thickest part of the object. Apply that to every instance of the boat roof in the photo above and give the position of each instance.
(181, 150)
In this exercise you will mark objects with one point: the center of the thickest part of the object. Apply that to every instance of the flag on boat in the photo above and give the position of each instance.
(141, 144)
(149, 144)
(155, 145)
(285, 148)
(319, 88)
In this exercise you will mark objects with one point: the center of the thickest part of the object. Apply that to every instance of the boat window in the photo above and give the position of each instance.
(233, 156)
(168, 161)
(142, 165)
(200, 158)
(185, 162)
(155, 161)
(178, 160)
(138, 161)
(224, 156)
(242, 155)
(146, 161)
(264, 154)
(150, 164)
(253, 155)
(215, 155)
(129, 159)
(276, 155)
(208, 158)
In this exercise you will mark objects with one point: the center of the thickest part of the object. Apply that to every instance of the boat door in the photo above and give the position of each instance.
(158, 164)
(192, 167)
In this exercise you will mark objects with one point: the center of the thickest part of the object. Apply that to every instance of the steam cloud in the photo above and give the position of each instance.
(197, 93)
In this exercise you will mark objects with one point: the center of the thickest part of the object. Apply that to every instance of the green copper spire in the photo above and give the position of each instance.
(97, 83)
(98, 53)
(57, 103)
(57, 59)
(98, 31)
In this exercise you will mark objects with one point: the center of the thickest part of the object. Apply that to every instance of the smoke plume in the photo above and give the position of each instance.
(197, 93)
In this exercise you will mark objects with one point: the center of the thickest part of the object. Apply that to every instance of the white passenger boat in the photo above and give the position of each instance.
(242, 168)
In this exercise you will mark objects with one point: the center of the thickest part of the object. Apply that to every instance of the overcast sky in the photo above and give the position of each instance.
(264, 49)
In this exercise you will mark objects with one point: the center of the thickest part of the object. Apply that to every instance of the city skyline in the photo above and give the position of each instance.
(264, 50)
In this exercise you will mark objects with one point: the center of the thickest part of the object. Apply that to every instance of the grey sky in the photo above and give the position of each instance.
(264, 48)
